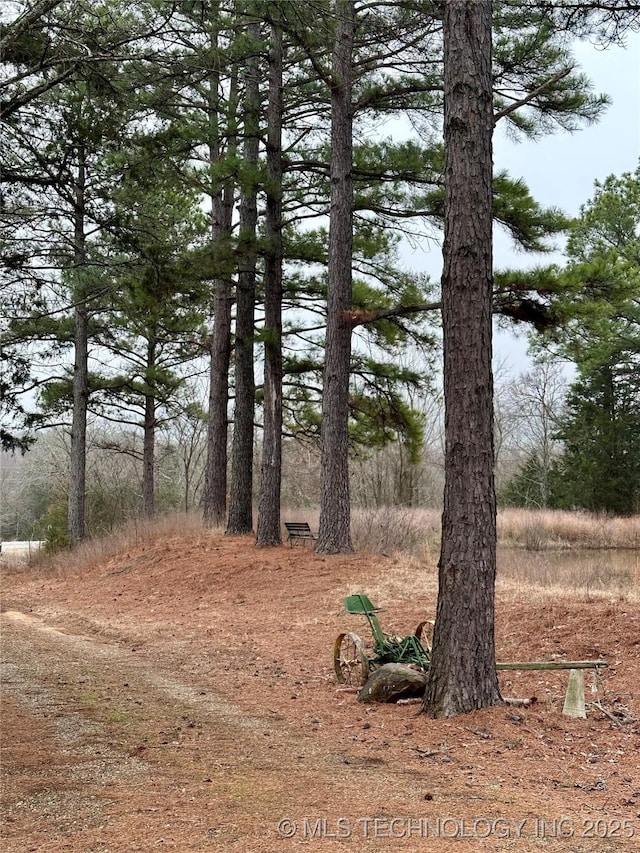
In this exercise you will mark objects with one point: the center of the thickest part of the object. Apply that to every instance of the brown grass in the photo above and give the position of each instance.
(540, 529)
(417, 531)
(584, 573)
(95, 551)
(392, 530)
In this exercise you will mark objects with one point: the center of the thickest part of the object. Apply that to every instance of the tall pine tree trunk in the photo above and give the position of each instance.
(241, 497)
(268, 529)
(463, 676)
(335, 512)
(215, 488)
(78, 463)
(149, 438)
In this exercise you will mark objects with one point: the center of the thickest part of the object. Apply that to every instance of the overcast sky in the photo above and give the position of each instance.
(560, 170)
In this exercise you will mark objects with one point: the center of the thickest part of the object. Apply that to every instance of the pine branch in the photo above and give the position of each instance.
(543, 87)
(18, 27)
(361, 318)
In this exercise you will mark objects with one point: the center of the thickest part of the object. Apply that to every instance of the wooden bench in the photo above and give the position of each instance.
(299, 531)
(574, 701)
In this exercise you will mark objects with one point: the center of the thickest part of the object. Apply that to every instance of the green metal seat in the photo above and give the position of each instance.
(361, 604)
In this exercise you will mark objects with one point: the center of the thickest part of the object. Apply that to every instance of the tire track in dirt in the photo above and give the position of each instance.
(174, 689)
(125, 746)
(110, 728)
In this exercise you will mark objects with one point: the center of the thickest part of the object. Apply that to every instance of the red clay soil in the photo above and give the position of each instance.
(182, 697)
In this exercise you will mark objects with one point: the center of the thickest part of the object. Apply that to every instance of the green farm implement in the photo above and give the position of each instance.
(354, 660)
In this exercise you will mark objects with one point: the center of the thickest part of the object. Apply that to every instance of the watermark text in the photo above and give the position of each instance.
(341, 828)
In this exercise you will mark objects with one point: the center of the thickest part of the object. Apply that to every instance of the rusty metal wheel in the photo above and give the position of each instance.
(350, 660)
(420, 633)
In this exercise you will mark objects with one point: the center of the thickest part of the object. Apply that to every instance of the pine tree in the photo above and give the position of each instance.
(600, 466)
(335, 533)
(268, 527)
(463, 675)
(241, 497)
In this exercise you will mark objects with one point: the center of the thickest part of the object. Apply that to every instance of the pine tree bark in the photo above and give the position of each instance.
(268, 528)
(334, 535)
(149, 440)
(76, 505)
(241, 495)
(463, 675)
(215, 488)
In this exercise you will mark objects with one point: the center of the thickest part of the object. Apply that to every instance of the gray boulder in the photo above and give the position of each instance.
(393, 681)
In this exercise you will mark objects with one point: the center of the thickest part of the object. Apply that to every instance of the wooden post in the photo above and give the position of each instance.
(574, 700)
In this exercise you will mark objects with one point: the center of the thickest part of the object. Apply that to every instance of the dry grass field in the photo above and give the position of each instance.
(171, 688)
